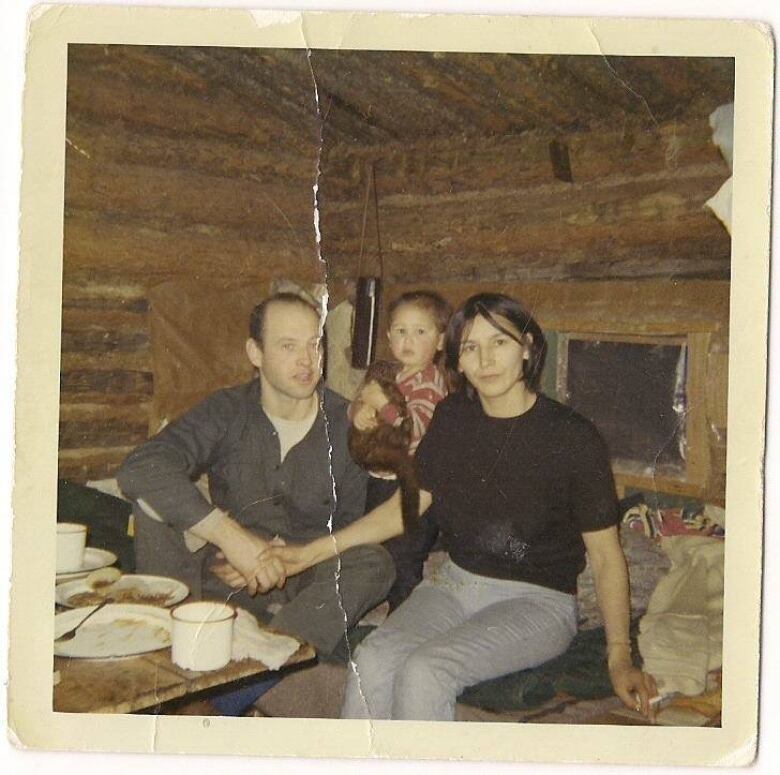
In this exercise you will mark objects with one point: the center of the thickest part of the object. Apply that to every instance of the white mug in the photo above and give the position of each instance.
(71, 544)
(202, 635)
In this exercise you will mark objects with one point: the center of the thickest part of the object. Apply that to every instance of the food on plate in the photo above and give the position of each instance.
(126, 595)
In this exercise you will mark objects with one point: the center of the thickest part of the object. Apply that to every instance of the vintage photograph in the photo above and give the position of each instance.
(394, 385)
(571, 207)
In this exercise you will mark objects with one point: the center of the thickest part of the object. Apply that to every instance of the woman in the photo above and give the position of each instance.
(521, 487)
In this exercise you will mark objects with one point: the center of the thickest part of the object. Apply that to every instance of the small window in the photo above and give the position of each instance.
(635, 390)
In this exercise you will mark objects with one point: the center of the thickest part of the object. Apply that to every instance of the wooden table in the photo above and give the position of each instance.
(134, 683)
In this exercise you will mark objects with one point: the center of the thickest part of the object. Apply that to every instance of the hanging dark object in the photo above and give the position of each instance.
(367, 297)
(559, 156)
(367, 292)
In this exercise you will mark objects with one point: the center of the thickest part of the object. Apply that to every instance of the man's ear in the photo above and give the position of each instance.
(254, 353)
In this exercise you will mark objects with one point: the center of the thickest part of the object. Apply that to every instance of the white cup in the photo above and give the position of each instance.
(202, 635)
(71, 543)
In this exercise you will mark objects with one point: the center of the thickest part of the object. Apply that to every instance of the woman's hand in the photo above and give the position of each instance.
(295, 558)
(634, 687)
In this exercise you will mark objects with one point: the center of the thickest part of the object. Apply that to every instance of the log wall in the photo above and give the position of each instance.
(491, 209)
(172, 172)
(169, 174)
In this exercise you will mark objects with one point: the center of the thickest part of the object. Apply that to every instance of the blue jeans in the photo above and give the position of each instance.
(457, 629)
(238, 701)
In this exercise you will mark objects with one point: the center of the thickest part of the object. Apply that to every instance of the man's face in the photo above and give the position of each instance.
(289, 359)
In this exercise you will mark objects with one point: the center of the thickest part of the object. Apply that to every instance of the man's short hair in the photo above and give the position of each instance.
(257, 318)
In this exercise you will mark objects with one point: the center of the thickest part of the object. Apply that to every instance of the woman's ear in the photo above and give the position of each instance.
(439, 342)
(529, 343)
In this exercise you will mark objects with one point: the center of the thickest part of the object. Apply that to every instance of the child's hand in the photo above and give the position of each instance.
(364, 418)
(374, 396)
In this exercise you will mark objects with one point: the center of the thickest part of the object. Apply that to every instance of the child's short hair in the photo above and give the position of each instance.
(430, 301)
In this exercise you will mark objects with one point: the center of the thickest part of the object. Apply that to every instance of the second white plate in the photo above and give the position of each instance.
(113, 631)
(93, 559)
(133, 588)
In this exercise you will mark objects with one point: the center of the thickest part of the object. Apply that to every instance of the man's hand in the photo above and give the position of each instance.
(634, 687)
(226, 573)
(374, 396)
(243, 552)
(364, 417)
(269, 572)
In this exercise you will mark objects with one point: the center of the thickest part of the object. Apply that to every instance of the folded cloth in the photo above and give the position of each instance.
(709, 703)
(252, 642)
(681, 636)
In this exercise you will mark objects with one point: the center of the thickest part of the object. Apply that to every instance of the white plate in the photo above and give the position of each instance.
(93, 559)
(116, 630)
(137, 585)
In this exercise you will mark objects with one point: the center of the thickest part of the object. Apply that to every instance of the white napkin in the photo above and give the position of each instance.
(249, 641)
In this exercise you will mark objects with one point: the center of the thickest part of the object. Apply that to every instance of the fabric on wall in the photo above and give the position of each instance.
(722, 124)
(314, 294)
(720, 204)
(342, 378)
(681, 636)
(198, 333)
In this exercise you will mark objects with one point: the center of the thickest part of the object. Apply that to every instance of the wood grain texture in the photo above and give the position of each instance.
(129, 685)
(199, 163)
(491, 208)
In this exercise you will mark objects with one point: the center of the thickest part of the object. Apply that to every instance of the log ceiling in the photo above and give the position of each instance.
(411, 95)
(200, 162)
(257, 96)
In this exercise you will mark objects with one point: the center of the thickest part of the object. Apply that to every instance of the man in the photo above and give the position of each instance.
(275, 451)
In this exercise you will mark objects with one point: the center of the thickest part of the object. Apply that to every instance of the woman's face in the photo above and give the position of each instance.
(491, 360)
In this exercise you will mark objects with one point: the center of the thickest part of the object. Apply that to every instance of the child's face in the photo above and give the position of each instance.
(414, 339)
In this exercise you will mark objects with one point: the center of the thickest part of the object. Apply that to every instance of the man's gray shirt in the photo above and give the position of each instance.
(316, 489)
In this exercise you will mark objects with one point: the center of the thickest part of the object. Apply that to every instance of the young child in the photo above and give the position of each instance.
(418, 320)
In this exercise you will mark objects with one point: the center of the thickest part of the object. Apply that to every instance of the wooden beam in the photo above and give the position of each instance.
(139, 250)
(186, 198)
(106, 386)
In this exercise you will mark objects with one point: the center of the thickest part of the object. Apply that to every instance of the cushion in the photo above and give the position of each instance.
(105, 516)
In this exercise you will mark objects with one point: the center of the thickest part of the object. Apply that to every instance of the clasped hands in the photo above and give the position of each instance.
(249, 563)
(256, 564)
